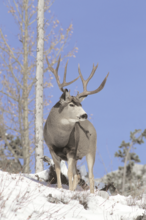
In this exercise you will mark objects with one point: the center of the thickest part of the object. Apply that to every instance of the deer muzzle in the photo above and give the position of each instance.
(84, 116)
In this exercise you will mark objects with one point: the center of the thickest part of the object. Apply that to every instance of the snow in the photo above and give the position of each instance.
(22, 198)
(83, 171)
(63, 168)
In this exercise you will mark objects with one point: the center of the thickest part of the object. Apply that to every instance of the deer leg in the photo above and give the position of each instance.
(57, 169)
(75, 177)
(70, 172)
(90, 162)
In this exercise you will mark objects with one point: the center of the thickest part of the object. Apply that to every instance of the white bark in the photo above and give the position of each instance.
(26, 146)
(39, 88)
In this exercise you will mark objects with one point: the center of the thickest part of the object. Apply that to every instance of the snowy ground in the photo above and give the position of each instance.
(22, 198)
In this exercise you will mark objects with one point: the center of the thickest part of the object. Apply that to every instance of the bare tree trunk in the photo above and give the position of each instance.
(26, 146)
(39, 88)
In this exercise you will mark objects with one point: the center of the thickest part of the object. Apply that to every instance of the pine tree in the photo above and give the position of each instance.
(125, 179)
(127, 155)
(9, 147)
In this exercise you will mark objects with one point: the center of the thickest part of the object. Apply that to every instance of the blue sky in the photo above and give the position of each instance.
(112, 34)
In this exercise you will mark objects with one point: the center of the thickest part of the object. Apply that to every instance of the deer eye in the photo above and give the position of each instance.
(72, 105)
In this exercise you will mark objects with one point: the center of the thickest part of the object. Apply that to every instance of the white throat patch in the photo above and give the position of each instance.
(73, 120)
(65, 121)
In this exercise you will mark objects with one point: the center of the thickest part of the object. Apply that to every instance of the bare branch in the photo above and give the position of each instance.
(31, 85)
(49, 5)
(1, 91)
(11, 70)
(17, 8)
(33, 21)
(11, 52)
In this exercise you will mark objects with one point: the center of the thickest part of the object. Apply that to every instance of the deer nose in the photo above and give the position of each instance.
(84, 116)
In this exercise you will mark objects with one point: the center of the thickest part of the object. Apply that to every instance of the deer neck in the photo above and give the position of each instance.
(59, 128)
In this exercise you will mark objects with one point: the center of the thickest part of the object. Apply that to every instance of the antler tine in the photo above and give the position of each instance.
(55, 72)
(100, 87)
(65, 71)
(58, 63)
(92, 73)
(80, 73)
(64, 78)
(85, 82)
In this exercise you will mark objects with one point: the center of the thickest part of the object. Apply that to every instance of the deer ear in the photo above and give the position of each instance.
(82, 98)
(67, 95)
(64, 95)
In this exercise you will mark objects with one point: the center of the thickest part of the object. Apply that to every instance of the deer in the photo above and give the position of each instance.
(68, 133)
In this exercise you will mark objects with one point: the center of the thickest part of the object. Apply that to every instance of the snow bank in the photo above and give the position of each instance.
(22, 198)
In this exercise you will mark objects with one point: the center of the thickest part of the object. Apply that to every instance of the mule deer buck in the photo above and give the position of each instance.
(67, 132)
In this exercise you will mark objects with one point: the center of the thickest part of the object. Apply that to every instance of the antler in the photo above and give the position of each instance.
(85, 82)
(55, 72)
